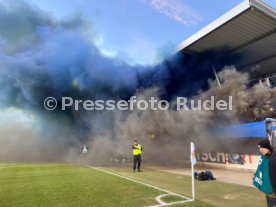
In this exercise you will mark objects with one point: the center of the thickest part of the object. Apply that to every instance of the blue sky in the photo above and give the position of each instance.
(140, 31)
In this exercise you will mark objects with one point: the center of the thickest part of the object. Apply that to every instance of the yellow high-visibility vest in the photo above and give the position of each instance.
(138, 150)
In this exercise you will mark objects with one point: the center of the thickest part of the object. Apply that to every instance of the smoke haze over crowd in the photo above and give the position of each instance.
(42, 56)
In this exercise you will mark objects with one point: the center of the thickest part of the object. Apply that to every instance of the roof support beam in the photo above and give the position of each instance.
(252, 41)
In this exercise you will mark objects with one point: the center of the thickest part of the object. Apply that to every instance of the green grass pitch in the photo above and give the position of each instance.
(62, 185)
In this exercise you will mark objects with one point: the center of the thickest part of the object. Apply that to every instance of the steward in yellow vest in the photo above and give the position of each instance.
(137, 151)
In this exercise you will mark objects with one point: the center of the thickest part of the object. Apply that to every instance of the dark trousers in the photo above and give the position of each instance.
(136, 162)
(271, 202)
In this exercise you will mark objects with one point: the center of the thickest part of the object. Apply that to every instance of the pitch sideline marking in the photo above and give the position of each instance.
(158, 198)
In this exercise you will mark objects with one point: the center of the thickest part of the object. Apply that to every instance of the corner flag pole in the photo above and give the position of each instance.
(193, 162)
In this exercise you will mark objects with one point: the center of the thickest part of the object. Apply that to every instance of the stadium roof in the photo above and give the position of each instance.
(249, 30)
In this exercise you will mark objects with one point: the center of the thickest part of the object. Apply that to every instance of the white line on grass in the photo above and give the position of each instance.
(158, 198)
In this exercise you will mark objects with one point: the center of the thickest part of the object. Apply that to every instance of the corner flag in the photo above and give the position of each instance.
(193, 162)
(193, 157)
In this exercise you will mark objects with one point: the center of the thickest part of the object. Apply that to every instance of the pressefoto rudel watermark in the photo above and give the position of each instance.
(182, 103)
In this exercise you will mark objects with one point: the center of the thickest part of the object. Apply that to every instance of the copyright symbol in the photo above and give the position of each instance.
(50, 103)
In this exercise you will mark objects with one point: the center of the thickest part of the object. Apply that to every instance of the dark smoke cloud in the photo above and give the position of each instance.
(166, 134)
(20, 24)
(42, 56)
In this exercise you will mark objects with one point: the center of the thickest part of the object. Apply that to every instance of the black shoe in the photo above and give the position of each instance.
(139, 170)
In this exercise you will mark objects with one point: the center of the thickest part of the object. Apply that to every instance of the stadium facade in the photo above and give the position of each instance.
(248, 31)
(246, 37)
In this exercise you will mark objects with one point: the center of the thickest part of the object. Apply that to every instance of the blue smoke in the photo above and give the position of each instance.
(41, 57)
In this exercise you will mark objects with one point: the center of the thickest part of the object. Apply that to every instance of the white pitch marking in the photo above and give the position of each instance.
(162, 203)
(158, 198)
